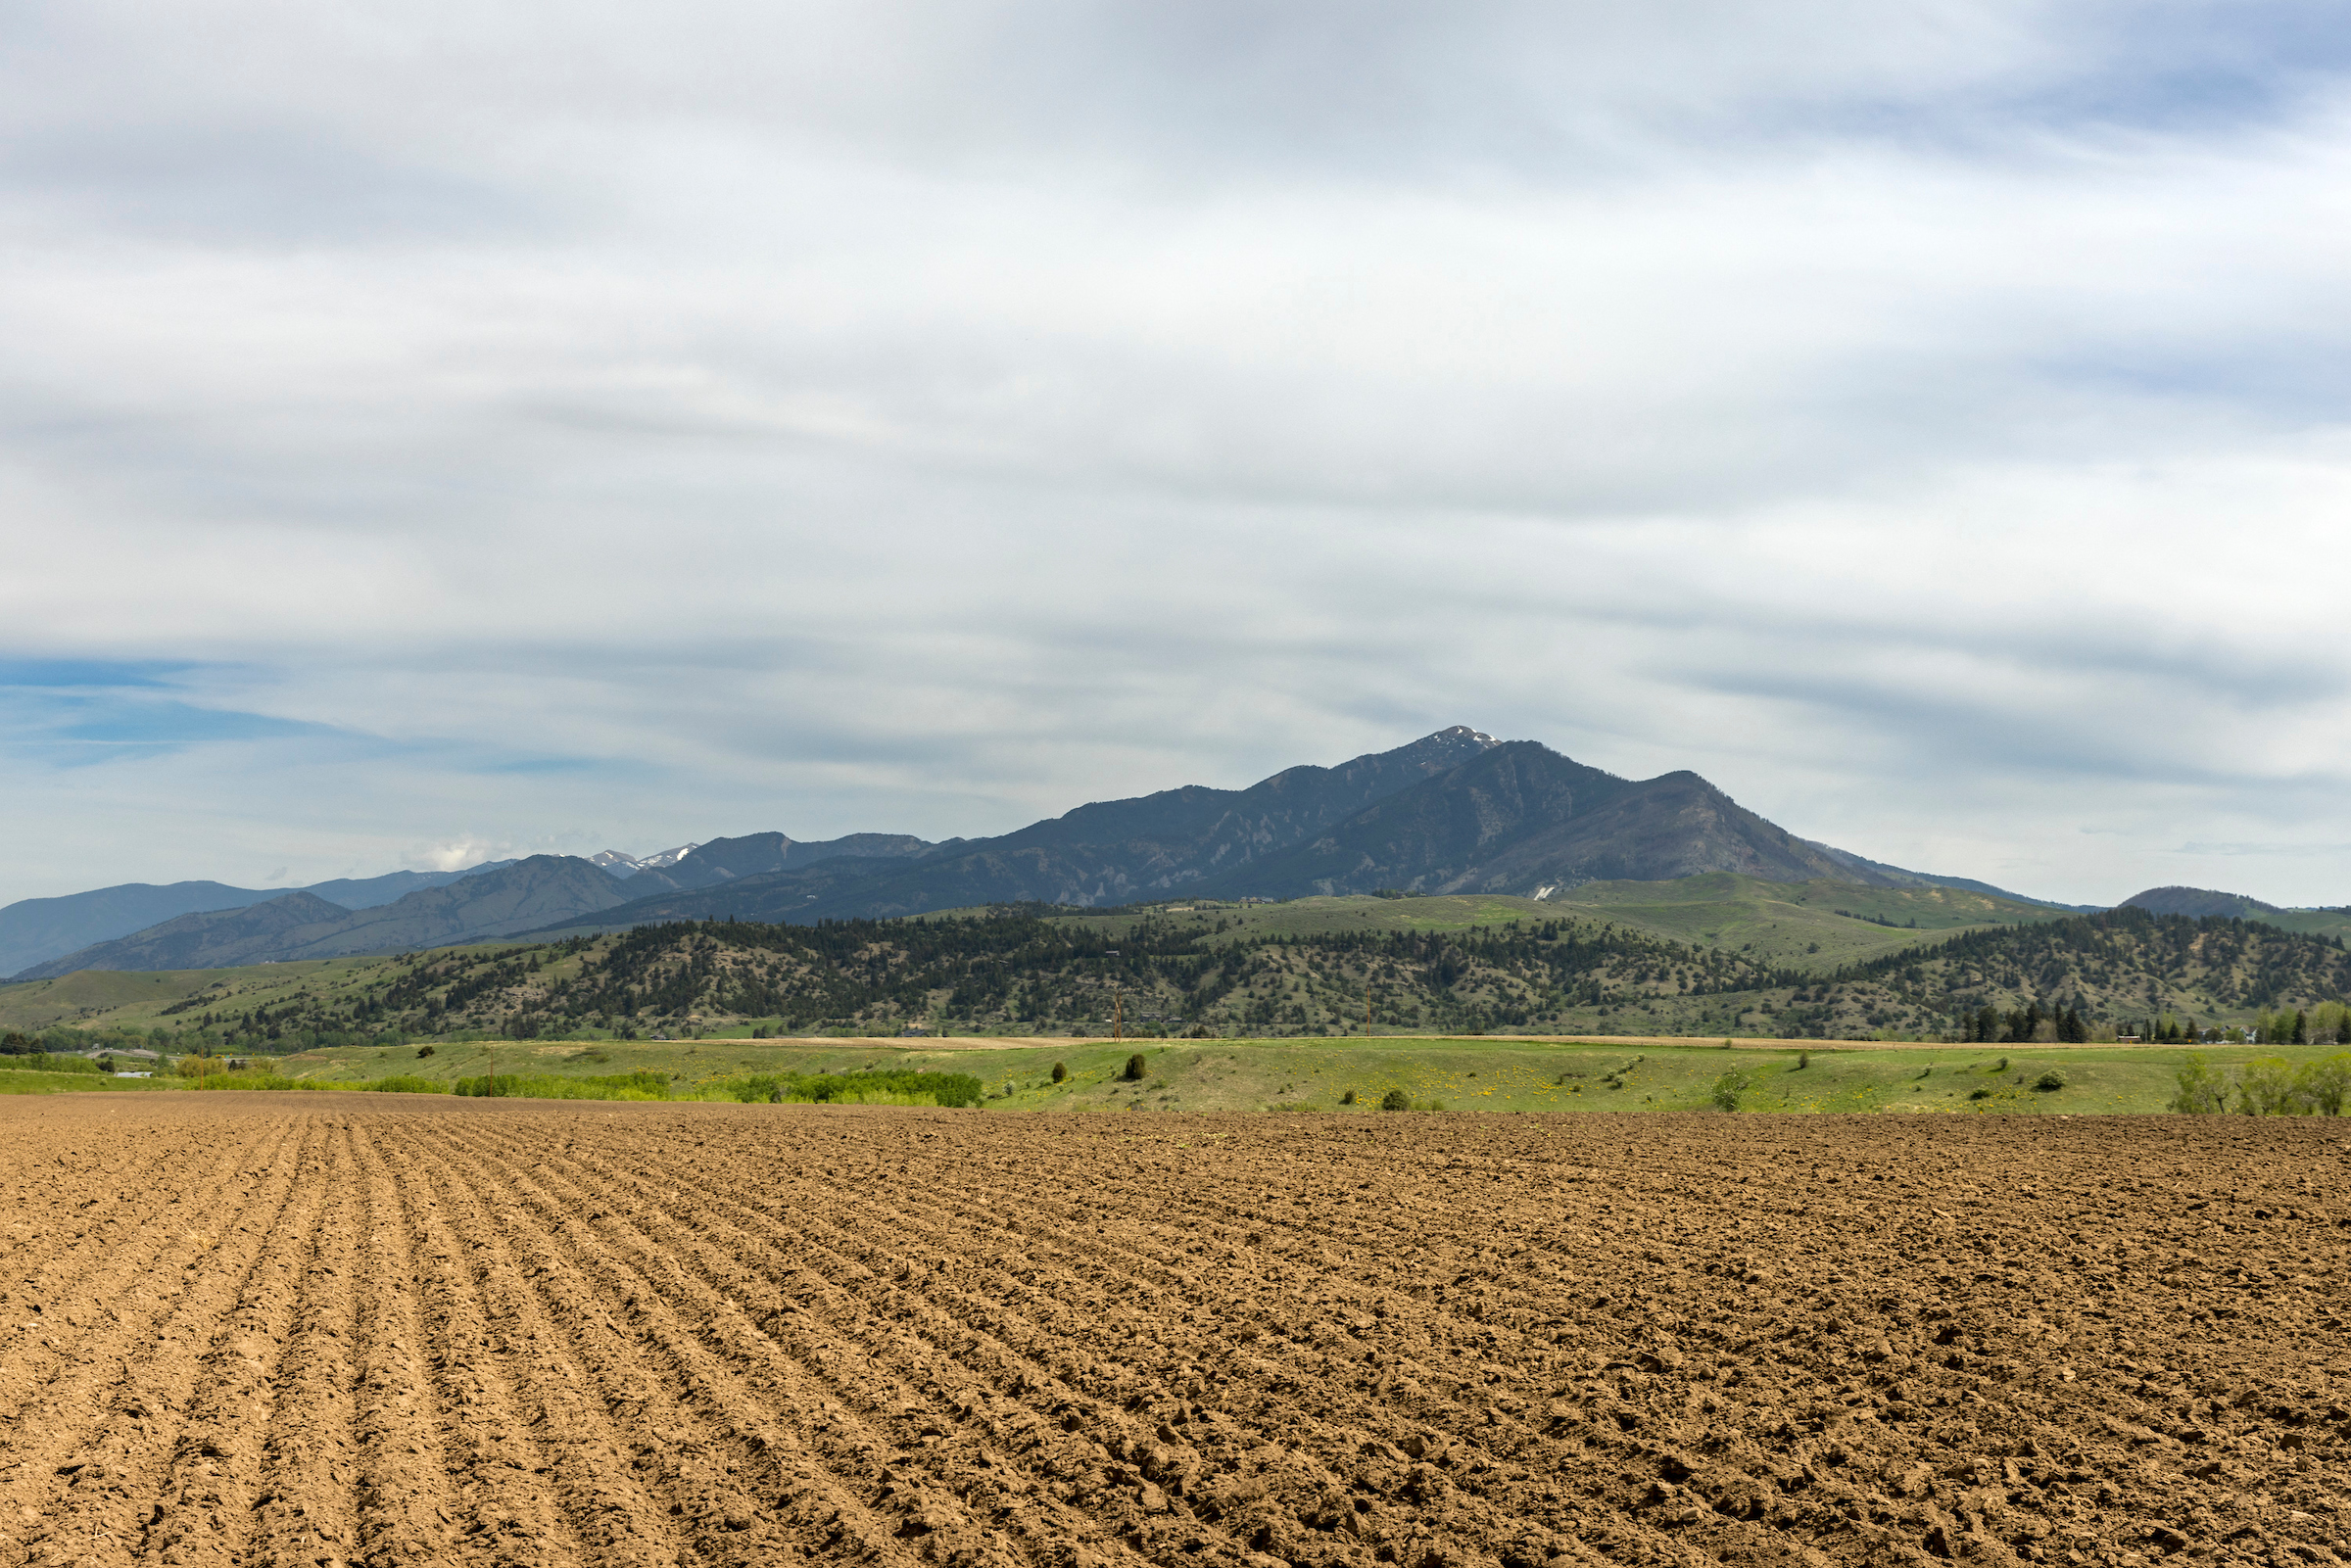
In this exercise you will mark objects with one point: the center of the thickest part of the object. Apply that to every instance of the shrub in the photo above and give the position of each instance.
(949, 1089)
(403, 1083)
(423, 1051)
(2325, 1084)
(1727, 1090)
(2266, 1086)
(1804, 1060)
(1348, 1098)
(1061, 1073)
(1136, 1068)
(1979, 1092)
(43, 1062)
(1395, 1100)
(613, 1086)
(2201, 1091)
(2048, 1081)
(2002, 1065)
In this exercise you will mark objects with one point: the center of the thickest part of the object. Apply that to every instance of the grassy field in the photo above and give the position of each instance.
(1463, 1076)
(1811, 925)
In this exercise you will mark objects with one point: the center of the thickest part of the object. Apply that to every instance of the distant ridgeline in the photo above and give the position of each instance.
(1034, 969)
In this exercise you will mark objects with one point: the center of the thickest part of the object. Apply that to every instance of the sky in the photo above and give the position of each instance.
(436, 432)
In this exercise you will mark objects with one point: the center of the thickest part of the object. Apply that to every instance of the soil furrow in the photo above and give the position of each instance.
(421, 1332)
(49, 1302)
(408, 1505)
(490, 1436)
(95, 1452)
(571, 1373)
(816, 1454)
(304, 1510)
(205, 1511)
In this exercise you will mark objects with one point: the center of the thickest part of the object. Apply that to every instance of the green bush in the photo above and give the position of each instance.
(610, 1086)
(1727, 1090)
(2324, 1084)
(1395, 1100)
(1979, 1092)
(1136, 1068)
(397, 1083)
(423, 1051)
(1061, 1073)
(2050, 1081)
(2201, 1091)
(949, 1089)
(43, 1062)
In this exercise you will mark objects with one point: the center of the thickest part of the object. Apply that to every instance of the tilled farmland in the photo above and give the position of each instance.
(294, 1330)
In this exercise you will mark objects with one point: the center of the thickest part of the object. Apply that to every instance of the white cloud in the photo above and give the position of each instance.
(614, 429)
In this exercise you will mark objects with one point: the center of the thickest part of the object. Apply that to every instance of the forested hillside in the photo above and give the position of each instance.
(1039, 970)
(2122, 966)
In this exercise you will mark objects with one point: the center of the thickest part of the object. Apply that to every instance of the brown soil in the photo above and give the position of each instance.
(267, 1330)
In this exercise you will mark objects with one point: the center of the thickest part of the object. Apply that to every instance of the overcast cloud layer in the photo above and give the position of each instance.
(432, 430)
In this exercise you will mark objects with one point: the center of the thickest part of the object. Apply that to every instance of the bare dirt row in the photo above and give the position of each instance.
(251, 1332)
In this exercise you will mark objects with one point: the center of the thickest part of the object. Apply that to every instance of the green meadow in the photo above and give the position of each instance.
(1353, 1076)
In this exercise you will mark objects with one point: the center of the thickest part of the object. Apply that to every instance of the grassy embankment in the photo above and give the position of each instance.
(1491, 1075)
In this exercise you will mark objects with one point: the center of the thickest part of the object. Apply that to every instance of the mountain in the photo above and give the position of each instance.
(627, 866)
(1521, 818)
(209, 939)
(725, 860)
(33, 930)
(520, 896)
(366, 892)
(1104, 852)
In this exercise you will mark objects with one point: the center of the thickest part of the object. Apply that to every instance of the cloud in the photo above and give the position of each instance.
(481, 429)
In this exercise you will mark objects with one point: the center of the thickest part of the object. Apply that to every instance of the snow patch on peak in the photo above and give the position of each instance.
(627, 866)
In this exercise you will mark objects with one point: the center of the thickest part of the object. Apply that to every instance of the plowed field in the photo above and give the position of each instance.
(378, 1331)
